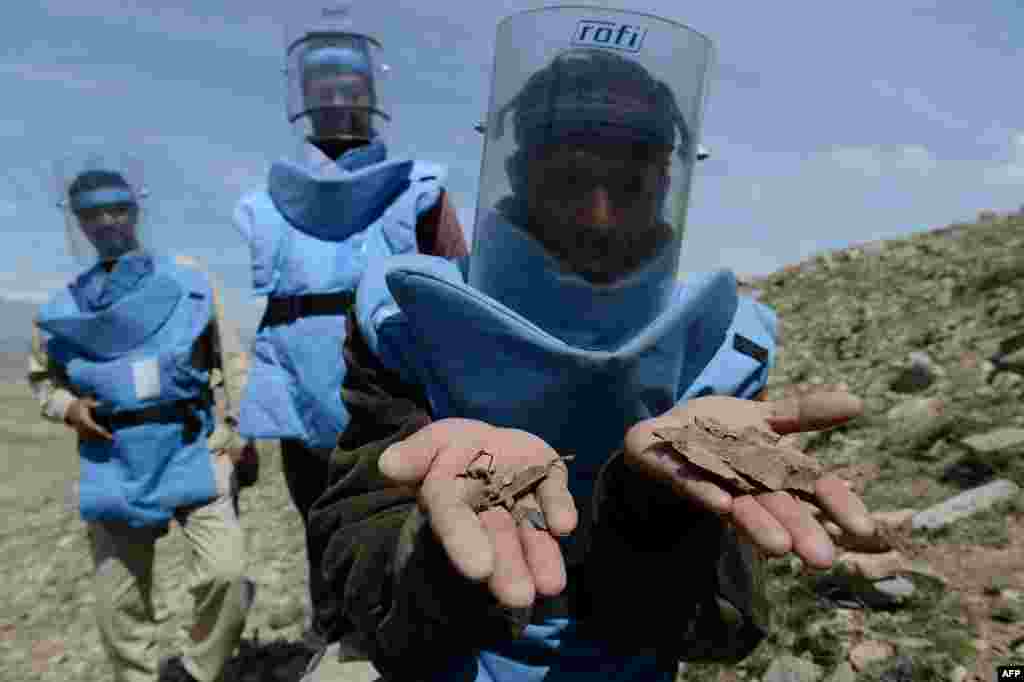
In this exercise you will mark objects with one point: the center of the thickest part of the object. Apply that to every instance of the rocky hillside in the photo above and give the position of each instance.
(928, 330)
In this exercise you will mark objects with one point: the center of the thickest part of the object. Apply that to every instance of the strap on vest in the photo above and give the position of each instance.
(182, 411)
(287, 309)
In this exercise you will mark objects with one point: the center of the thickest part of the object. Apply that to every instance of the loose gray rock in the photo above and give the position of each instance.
(915, 643)
(792, 669)
(1011, 353)
(998, 441)
(847, 590)
(898, 587)
(916, 437)
(919, 375)
(965, 504)
(916, 411)
(901, 671)
(1007, 382)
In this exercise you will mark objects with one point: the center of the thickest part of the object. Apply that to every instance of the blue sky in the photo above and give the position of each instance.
(829, 123)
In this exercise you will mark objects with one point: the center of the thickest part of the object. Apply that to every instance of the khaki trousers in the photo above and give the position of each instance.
(123, 583)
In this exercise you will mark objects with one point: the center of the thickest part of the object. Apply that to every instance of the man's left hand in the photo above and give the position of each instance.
(776, 522)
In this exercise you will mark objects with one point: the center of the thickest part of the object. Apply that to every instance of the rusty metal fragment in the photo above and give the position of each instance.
(507, 489)
(743, 462)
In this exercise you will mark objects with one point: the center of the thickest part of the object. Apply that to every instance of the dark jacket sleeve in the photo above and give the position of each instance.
(390, 579)
(651, 553)
(647, 554)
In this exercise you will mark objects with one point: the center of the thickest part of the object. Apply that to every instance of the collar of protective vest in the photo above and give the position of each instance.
(117, 311)
(96, 289)
(361, 157)
(334, 206)
(513, 268)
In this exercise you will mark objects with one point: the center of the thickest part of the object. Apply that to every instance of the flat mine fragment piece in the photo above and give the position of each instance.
(749, 461)
(506, 490)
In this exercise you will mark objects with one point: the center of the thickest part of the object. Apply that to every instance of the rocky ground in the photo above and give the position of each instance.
(929, 330)
(926, 329)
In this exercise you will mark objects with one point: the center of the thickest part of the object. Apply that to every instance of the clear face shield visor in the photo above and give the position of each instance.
(592, 135)
(334, 81)
(102, 199)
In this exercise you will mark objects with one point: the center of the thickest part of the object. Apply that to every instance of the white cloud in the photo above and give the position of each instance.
(30, 287)
(919, 103)
(914, 158)
(1010, 172)
(42, 280)
(864, 160)
(1006, 174)
(876, 162)
(25, 296)
(255, 34)
(39, 73)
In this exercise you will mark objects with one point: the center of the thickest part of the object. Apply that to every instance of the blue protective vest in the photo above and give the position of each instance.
(477, 358)
(315, 235)
(126, 339)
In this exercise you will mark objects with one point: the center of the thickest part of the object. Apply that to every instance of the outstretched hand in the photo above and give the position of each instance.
(776, 522)
(518, 562)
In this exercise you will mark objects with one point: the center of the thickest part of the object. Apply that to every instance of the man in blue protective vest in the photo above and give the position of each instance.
(311, 233)
(566, 331)
(130, 355)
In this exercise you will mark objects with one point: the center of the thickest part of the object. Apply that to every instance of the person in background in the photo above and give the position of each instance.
(135, 355)
(343, 203)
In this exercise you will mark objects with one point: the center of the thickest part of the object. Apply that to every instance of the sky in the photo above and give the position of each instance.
(829, 124)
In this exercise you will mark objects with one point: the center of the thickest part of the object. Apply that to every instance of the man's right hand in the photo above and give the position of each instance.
(79, 417)
(517, 562)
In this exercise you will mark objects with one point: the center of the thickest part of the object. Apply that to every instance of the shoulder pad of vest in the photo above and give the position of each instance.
(375, 303)
(190, 274)
(741, 364)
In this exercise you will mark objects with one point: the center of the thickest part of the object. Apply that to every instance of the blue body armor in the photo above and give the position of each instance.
(311, 236)
(126, 338)
(478, 358)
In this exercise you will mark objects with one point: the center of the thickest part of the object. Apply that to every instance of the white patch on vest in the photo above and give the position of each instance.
(146, 375)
